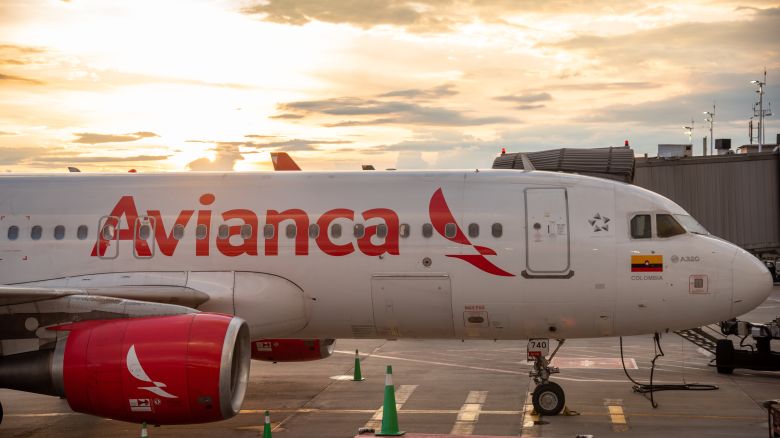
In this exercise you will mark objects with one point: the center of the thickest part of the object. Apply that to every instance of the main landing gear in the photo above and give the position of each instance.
(548, 397)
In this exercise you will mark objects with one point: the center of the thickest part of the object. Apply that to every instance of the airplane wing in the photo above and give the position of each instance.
(177, 295)
(26, 312)
(283, 161)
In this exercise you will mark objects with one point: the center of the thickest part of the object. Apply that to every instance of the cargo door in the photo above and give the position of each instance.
(547, 233)
(416, 306)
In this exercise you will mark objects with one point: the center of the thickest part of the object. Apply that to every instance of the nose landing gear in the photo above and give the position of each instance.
(548, 397)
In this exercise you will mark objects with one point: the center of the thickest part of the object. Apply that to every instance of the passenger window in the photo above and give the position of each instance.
(450, 230)
(223, 231)
(497, 230)
(59, 232)
(381, 231)
(13, 232)
(268, 231)
(640, 226)
(178, 231)
(403, 230)
(246, 231)
(290, 231)
(667, 226)
(201, 231)
(108, 232)
(144, 232)
(335, 231)
(360, 230)
(427, 230)
(36, 232)
(473, 230)
(314, 231)
(82, 232)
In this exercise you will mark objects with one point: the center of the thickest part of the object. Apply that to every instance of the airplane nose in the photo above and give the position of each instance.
(752, 283)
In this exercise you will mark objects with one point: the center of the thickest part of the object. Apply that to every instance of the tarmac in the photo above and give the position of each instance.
(472, 388)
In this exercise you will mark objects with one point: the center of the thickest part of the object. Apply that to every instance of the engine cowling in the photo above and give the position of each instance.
(191, 368)
(292, 350)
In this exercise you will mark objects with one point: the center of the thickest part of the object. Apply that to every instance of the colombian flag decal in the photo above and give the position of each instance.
(647, 263)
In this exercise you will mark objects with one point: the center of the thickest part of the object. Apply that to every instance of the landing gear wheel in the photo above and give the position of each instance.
(548, 399)
(1, 413)
(724, 356)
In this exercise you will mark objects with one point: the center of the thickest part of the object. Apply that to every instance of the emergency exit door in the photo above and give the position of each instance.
(547, 233)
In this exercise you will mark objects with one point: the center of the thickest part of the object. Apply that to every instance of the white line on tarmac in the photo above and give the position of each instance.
(446, 364)
(401, 395)
(497, 370)
(469, 413)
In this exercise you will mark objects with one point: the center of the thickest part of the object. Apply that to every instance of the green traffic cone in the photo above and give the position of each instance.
(358, 376)
(389, 412)
(267, 426)
(144, 432)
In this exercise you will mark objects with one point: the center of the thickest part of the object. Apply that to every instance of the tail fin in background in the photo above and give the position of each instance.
(282, 161)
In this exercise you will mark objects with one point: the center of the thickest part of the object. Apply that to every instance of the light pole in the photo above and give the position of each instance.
(711, 118)
(759, 111)
(689, 131)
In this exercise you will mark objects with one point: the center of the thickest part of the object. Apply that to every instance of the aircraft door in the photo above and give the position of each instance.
(107, 245)
(548, 253)
(413, 305)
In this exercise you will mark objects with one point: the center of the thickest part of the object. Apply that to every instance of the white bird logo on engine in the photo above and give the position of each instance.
(135, 368)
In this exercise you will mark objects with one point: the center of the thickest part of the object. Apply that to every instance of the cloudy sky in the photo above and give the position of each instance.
(218, 84)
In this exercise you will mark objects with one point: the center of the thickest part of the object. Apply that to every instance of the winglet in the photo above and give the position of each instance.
(282, 161)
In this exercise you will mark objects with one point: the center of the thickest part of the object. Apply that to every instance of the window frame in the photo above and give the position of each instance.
(59, 232)
(631, 217)
(666, 213)
(82, 232)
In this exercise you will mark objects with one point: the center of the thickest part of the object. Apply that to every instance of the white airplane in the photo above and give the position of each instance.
(142, 297)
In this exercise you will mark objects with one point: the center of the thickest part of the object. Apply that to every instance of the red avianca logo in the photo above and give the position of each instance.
(234, 244)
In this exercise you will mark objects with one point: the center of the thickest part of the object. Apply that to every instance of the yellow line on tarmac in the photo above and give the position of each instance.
(530, 417)
(618, 418)
(469, 413)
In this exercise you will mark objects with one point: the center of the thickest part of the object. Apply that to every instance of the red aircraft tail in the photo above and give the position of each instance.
(282, 161)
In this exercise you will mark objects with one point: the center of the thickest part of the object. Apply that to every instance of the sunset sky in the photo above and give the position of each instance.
(217, 85)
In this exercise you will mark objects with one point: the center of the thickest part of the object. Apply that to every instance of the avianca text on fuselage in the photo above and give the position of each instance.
(369, 243)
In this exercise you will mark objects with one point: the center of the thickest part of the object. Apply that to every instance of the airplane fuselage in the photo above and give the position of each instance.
(458, 254)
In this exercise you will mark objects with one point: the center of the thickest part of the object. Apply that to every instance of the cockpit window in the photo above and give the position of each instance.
(668, 226)
(690, 224)
(641, 227)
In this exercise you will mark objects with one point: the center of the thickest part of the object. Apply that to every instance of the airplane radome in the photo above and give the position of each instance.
(169, 283)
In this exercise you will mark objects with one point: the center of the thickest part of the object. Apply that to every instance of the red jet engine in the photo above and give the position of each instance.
(180, 369)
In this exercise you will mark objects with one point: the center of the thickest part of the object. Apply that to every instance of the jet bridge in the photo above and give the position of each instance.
(615, 163)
